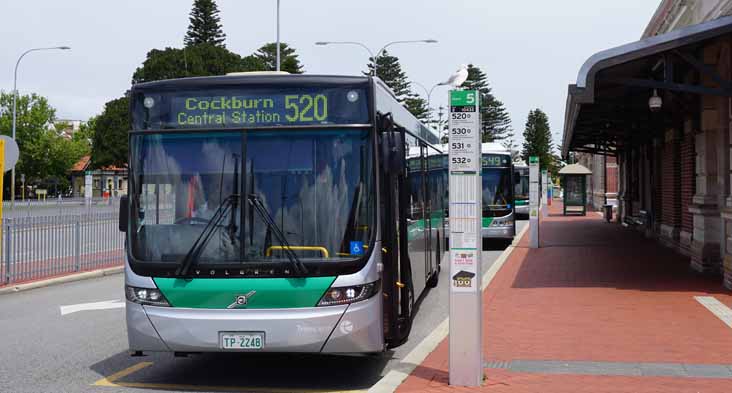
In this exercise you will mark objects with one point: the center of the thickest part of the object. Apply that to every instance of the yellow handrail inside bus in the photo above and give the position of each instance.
(322, 250)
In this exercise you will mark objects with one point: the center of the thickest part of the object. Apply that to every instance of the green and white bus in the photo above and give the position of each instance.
(521, 189)
(431, 173)
(498, 193)
(276, 213)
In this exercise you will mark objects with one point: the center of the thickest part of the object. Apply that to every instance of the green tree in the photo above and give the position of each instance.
(265, 59)
(195, 60)
(61, 153)
(205, 25)
(109, 140)
(43, 152)
(86, 131)
(496, 123)
(538, 139)
(35, 114)
(417, 106)
(509, 143)
(390, 71)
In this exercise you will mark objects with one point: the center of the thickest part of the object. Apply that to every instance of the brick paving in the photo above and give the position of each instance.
(601, 294)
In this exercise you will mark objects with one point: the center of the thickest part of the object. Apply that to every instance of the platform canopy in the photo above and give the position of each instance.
(575, 169)
(608, 108)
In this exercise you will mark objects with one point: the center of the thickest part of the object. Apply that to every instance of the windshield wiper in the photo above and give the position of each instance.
(191, 258)
(257, 204)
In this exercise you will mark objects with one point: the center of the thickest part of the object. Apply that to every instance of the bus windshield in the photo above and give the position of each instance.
(316, 185)
(522, 185)
(496, 188)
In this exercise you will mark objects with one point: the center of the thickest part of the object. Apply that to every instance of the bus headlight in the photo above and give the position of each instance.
(347, 295)
(503, 223)
(146, 296)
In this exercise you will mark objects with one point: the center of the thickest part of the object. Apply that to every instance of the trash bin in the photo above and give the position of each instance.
(608, 212)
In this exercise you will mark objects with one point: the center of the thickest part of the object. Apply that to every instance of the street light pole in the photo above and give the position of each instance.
(278, 35)
(429, 95)
(371, 53)
(15, 115)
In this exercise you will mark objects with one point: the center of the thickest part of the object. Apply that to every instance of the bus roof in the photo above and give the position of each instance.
(251, 79)
(493, 148)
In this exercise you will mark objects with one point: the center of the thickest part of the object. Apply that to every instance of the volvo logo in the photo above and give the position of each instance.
(241, 300)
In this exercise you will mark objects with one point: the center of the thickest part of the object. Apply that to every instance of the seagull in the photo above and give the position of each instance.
(458, 78)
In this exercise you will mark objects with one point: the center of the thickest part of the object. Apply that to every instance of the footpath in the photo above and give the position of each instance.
(598, 308)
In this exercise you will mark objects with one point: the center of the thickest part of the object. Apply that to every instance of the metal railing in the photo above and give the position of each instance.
(69, 206)
(29, 202)
(36, 247)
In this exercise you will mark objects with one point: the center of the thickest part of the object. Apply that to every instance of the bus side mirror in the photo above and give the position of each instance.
(392, 144)
(393, 151)
(124, 212)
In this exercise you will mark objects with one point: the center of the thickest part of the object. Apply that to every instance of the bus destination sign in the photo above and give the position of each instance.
(221, 108)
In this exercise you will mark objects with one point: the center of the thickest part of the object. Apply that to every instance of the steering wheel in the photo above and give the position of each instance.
(192, 221)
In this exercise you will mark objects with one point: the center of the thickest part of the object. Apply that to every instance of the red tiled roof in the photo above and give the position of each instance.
(82, 164)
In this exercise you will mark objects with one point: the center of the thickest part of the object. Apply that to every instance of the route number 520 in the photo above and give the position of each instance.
(304, 108)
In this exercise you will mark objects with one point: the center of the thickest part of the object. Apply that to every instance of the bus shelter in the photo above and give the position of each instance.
(574, 182)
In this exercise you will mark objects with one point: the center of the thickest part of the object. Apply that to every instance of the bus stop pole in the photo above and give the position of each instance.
(534, 202)
(466, 242)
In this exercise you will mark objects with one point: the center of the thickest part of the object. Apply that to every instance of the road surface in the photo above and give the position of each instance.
(52, 341)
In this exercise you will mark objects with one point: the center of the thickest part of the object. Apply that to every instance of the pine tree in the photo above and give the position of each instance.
(509, 143)
(538, 139)
(205, 25)
(417, 106)
(390, 71)
(266, 56)
(496, 123)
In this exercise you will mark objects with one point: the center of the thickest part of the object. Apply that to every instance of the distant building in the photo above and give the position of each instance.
(109, 180)
(660, 108)
(66, 127)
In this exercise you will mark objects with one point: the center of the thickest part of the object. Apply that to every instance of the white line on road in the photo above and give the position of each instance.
(105, 305)
(391, 381)
(717, 308)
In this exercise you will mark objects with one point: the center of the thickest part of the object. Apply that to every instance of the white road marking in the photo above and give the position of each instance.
(105, 305)
(721, 311)
(391, 381)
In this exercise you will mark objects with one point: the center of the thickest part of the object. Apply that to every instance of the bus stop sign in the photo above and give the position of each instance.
(465, 197)
(12, 153)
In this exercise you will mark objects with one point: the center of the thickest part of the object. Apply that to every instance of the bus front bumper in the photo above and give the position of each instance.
(522, 209)
(503, 232)
(354, 328)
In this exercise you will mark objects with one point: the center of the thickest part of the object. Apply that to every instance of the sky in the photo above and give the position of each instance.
(530, 49)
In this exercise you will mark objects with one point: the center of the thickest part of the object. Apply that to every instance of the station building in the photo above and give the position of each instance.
(659, 111)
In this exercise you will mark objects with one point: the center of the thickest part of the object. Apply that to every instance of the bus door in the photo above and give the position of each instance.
(394, 194)
(426, 212)
(418, 220)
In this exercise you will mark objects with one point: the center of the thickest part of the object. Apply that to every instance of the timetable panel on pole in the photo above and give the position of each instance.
(466, 367)
(534, 201)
